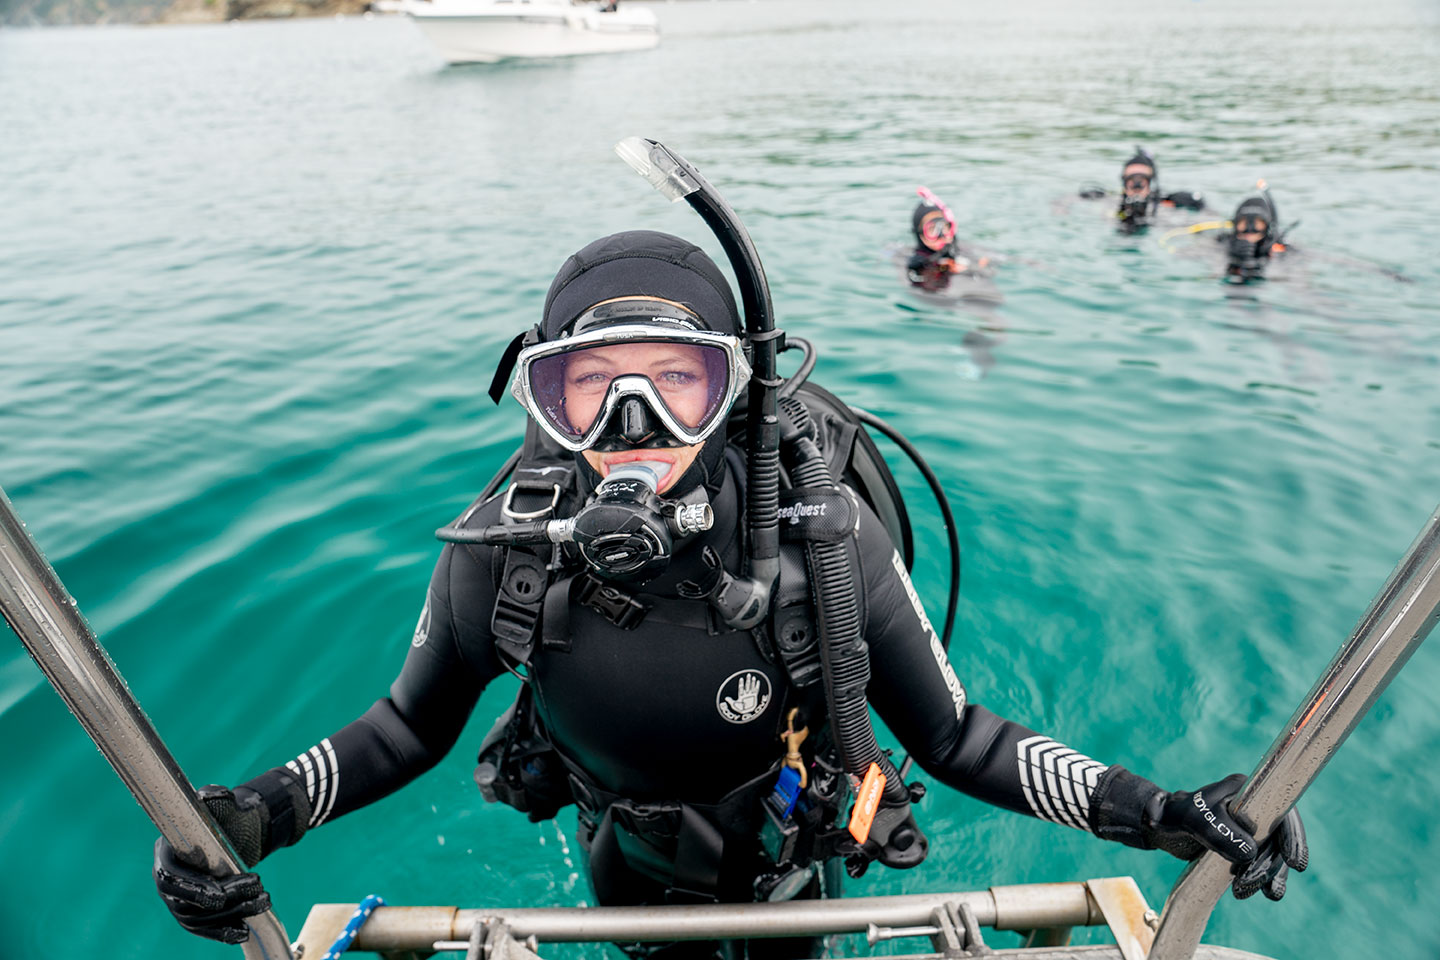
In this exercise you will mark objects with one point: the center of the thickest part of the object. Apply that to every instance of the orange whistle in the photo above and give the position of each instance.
(867, 803)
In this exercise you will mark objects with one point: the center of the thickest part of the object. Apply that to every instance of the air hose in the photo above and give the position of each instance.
(844, 655)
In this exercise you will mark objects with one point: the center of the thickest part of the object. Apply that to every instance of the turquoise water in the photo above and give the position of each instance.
(254, 279)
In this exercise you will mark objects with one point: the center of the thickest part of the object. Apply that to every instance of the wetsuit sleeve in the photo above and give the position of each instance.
(448, 664)
(914, 689)
(1186, 200)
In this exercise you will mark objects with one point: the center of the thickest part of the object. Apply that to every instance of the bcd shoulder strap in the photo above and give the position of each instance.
(540, 488)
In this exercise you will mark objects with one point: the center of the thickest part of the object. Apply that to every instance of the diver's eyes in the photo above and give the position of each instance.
(678, 378)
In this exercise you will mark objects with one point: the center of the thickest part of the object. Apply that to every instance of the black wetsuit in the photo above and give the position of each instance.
(932, 269)
(640, 711)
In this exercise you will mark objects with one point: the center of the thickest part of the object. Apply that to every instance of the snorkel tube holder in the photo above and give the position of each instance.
(749, 597)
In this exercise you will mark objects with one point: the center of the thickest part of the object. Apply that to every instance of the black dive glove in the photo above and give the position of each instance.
(1135, 812)
(271, 811)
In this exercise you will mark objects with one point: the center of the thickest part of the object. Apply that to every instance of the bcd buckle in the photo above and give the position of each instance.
(612, 603)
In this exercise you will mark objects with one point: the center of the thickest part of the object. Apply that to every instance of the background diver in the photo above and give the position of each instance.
(1250, 240)
(938, 255)
(1253, 239)
(1140, 195)
(681, 688)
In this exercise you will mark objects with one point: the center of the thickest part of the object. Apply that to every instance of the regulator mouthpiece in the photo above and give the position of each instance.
(647, 472)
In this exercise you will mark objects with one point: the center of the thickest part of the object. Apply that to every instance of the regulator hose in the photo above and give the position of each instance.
(844, 655)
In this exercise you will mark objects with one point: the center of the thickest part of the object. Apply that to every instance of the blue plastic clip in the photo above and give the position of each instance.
(787, 791)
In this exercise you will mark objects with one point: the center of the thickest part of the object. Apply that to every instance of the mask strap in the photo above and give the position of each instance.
(507, 366)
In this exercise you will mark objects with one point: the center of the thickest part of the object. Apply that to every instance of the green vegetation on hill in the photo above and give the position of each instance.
(57, 12)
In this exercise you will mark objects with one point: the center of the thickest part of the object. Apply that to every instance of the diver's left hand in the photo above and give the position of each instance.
(1186, 824)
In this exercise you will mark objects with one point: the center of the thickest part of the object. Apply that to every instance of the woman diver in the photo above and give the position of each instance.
(697, 674)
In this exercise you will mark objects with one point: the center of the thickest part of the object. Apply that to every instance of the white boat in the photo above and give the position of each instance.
(484, 31)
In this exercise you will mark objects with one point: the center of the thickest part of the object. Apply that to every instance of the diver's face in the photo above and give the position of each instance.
(680, 376)
(1137, 178)
(1251, 229)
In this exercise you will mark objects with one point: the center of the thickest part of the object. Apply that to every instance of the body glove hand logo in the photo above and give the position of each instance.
(743, 696)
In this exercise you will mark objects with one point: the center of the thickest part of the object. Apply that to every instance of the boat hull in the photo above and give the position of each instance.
(567, 32)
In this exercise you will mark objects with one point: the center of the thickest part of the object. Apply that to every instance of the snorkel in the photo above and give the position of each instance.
(743, 602)
(892, 837)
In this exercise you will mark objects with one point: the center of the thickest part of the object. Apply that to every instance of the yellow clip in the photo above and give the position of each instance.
(793, 739)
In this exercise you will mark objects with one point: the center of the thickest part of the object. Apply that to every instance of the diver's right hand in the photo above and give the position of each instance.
(204, 905)
(213, 907)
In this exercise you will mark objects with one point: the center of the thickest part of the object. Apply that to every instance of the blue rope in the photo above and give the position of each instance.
(357, 920)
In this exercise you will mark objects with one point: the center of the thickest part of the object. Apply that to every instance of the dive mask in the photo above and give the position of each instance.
(631, 365)
(1137, 184)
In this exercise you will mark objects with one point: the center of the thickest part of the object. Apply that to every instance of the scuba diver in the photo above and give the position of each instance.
(700, 641)
(1254, 238)
(1140, 196)
(938, 255)
(941, 271)
(1250, 240)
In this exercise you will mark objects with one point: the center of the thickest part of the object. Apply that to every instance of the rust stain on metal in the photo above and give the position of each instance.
(1124, 908)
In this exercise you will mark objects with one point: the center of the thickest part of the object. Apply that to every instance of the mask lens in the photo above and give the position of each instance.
(1137, 183)
(1251, 225)
(936, 231)
(691, 380)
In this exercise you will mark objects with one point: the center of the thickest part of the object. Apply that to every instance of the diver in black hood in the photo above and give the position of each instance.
(1140, 195)
(696, 682)
(1254, 237)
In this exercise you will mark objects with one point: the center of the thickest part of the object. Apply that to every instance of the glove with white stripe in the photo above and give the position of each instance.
(1132, 810)
(271, 811)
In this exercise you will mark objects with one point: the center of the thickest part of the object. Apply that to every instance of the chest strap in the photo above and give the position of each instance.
(624, 609)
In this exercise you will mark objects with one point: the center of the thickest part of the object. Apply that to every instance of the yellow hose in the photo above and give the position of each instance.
(1195, 228)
